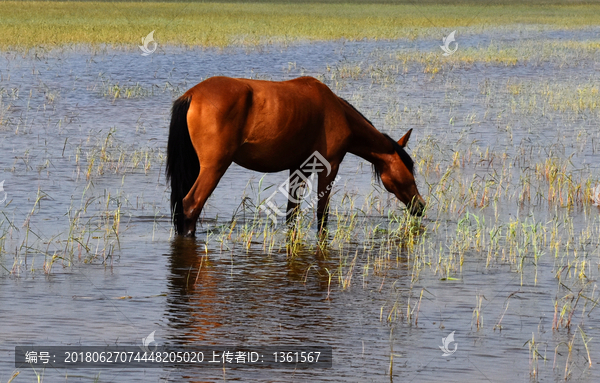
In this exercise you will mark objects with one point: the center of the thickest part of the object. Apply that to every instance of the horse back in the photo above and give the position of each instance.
(266, 125)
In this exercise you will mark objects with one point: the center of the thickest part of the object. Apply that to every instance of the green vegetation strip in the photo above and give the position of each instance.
(51, 24)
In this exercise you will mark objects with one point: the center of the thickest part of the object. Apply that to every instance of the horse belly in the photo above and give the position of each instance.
(272, 155)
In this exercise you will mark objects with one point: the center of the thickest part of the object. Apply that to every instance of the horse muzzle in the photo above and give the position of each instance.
(417, 207)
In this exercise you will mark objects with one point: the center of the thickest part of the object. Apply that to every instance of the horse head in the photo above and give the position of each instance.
(397, 175)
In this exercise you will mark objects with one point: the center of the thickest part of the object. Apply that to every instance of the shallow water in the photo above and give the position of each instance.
(63, 135)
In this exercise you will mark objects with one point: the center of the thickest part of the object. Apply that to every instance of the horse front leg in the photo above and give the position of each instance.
(292, 212)
(295, 194)
(194, 201)
(326, 183)
(292, 205)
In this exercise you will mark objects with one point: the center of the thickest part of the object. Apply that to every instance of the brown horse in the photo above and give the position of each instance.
(271, 126)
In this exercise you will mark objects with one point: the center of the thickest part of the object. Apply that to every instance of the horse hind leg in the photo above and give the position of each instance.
(194, 201)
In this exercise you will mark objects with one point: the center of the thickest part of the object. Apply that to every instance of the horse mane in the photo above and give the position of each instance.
(408, 161)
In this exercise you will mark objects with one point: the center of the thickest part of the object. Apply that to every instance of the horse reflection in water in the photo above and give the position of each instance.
(193, 300)
(253, 299)
(214, 299)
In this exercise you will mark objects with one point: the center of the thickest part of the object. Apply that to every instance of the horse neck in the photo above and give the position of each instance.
(366, 141)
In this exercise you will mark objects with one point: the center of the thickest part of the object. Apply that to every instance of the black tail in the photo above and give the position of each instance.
(183, 166)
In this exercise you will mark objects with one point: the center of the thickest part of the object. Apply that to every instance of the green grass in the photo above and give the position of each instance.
(51, 24)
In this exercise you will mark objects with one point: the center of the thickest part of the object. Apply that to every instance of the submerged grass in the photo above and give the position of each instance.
(104, 153)
(219, 24)
(92, 236)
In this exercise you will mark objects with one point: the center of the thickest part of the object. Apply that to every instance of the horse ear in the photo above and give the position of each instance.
(404, 140)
